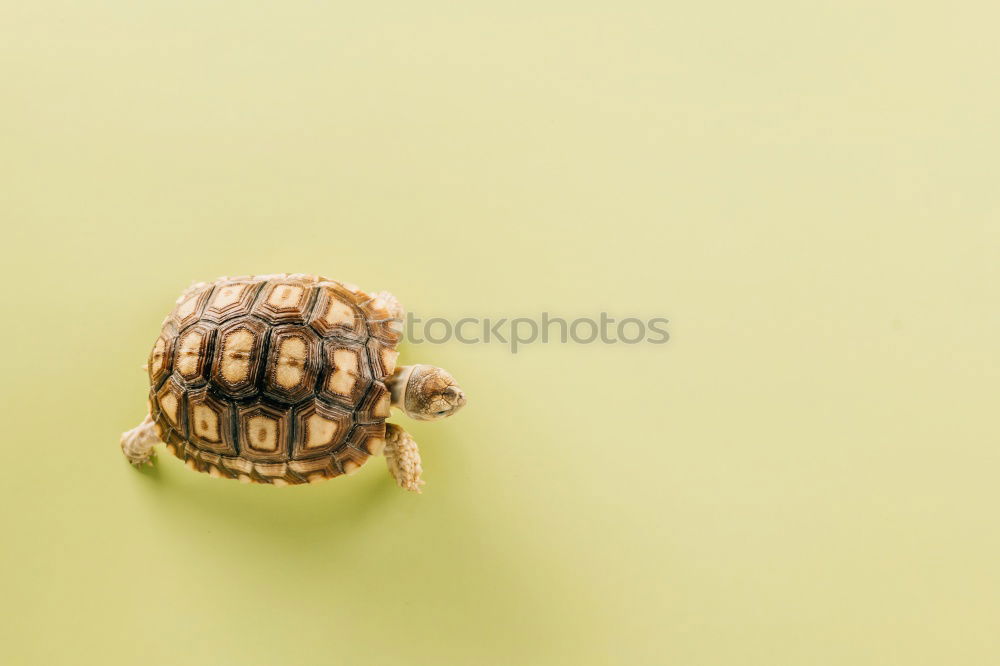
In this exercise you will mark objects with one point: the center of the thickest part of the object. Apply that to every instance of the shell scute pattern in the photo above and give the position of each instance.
(231, 299)
(346, 375)
(293, 363)
(160, 362)
(273, 379)
(285, 301)
(321, 429)
(211, 422)
(236, 364)
(191, 357)
(338, 312)
(264, 432)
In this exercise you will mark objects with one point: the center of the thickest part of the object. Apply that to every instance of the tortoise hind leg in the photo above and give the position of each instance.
(402, 457)
(137, 443)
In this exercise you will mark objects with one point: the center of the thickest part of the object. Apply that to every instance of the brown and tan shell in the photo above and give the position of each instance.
(273, 379)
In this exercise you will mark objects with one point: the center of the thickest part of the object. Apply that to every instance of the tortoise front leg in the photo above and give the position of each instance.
(403, 458)
(393, 305)
(137, 443)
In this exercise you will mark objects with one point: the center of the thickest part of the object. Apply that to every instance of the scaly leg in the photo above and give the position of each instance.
(137, 443)
(403, 458)
(392, 303)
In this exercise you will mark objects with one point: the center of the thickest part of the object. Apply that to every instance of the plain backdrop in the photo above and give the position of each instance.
(805, 474)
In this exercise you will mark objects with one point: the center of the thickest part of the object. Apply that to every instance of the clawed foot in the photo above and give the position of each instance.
(139, 463)
(403, 458)
(137, 443)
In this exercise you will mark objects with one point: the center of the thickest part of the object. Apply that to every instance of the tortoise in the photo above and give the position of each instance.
(286, 379)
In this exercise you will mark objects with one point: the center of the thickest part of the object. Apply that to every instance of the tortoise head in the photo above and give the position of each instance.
(425, 393)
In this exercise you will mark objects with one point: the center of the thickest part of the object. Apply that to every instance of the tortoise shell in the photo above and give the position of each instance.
(273, 379)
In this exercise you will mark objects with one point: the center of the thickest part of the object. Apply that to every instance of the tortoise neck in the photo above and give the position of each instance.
(397, 385)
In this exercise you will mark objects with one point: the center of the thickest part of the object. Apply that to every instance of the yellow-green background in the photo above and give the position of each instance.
(806, 474)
